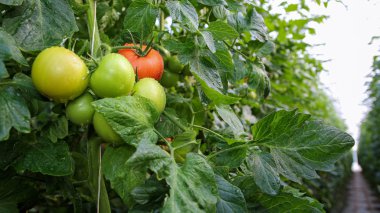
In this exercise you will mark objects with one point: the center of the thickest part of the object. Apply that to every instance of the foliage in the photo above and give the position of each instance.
(369, 146)
(247, 153)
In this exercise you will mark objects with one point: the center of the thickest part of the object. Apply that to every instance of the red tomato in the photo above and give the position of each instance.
(148, 66)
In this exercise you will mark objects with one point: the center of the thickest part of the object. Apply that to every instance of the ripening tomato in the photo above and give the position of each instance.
(59, 74)
(148, 66)
(113, 77)
(104, 130)
(152, 90)
(80, 110)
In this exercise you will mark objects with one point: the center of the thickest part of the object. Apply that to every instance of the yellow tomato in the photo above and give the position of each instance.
(59, 74)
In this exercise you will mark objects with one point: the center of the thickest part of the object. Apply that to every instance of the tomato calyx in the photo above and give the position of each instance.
(140, 50)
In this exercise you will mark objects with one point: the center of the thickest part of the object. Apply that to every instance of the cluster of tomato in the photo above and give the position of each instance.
(175, 68)
(62, 76)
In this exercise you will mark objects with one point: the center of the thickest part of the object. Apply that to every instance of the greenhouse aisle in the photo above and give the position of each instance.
(361, 199)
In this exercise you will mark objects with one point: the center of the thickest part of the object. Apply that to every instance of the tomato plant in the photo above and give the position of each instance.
(113, 77)
(217, 139)
(175, 65)
(59, 74)
(169, 79)
(80, 111)
(150, 88)
(104, 130)
(150, 65)
(369, 146)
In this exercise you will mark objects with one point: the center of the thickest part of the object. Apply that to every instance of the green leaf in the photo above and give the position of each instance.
(167, 127)
(209, 40)
(231, 199)
(13, 112)
(238, 22)
(150, 156)
(149, 192)
(132, 117)
(220, 12)
(291, 8)
(229, 116)
(222, 58)
(12, 192)
(141, 17)
(232, 158)
(222, 31)
(184, 13)
(266, 49)
(192, 187)
(257, 26)
(203, 68)
(290, 200)
(11, 2)
(9, 50)
(261, 167)
(298, 145)
(212, 2)
(58, 129)
(24, 85)
(37, 24)
(121, 176)
(240, 70)
(127, 169)
(9, 152)
(47, 158)
(259, 80)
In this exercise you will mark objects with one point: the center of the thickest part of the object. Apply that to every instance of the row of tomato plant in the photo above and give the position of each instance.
(223, 136)
(369, 145)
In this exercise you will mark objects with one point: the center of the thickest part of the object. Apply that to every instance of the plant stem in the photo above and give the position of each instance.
(226, 150)
(166, 141)
(238, 51)
(162, 20)
(125, 47)
(93, 29)
(209, 130)
(175, 121)
(96, 181)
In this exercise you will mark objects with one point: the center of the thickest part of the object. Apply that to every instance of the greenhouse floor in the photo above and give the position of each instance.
(361, 198)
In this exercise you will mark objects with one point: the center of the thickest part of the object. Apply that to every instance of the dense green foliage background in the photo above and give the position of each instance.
(246, 65)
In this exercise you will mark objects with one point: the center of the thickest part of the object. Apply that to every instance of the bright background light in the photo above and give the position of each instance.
(346, 35)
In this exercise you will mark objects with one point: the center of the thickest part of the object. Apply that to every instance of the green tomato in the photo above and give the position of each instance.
(164, 52)
(152, 90)
(186, 70)
(169, 79)
(59, 74)
(80, 110)
(114, 77)
(175, 65)
(104, 130)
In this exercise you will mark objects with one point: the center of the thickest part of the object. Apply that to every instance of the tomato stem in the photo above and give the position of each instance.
(226, 150)
(238, 51)
(96, 181)
(175, 121)
(209, 130)
(93, 28)
(162, 20)
(125, 47)
(138, 49)
(166, 141)
(183, 145)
